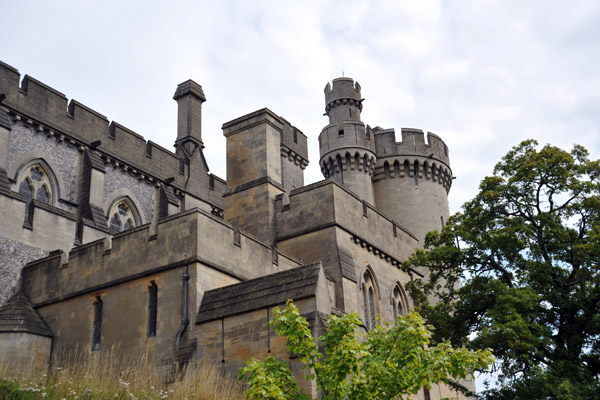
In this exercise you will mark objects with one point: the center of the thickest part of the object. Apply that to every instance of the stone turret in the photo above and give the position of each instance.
(408, 181)
(412, 179)
(347, 148)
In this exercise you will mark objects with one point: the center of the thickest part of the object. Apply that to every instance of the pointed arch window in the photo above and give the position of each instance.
(370, 296)
(35, 183)
(122, 216)
(399, 305)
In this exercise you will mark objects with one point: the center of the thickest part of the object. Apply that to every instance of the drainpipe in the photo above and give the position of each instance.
(184, 312)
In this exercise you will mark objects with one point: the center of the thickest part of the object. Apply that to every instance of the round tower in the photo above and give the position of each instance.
(347, 149)
(412, 180)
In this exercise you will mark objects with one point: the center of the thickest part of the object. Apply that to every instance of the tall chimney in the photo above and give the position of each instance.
(189, 96)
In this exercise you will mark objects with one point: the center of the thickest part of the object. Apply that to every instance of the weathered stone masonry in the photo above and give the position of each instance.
(92, 213)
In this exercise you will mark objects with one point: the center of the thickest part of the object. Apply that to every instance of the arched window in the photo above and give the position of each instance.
(122, 216)
(399, 305)
(386, 170)
(370, 306)
(35, 183)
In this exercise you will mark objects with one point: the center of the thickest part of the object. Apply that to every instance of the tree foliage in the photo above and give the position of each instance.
(517, 271)
(395, 360)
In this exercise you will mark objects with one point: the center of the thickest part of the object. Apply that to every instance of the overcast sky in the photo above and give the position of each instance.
(483, 75)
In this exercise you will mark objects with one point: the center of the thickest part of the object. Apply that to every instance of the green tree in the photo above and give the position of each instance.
(392, 361)
(517, 271)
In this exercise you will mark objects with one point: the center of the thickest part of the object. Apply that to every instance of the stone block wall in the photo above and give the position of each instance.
(232, 341)
(26, 351)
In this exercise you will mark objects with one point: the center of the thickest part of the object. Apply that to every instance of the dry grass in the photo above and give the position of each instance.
(110, 375)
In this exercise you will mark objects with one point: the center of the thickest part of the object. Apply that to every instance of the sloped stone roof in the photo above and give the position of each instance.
(4, 182)
(4, 120)
(18, 315)
(255, 294)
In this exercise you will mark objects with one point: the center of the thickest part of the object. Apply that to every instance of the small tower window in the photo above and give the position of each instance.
(152, 308)
(341, 132)
(97, 329)
(426, 394)
(416, 173)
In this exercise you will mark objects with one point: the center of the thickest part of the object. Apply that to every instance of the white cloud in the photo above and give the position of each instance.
(483, 75)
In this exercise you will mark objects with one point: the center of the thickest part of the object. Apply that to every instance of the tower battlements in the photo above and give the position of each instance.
(412, 156)
(343, 101)
(413, 143)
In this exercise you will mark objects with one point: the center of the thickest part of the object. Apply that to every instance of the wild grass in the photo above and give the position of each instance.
(111, 375)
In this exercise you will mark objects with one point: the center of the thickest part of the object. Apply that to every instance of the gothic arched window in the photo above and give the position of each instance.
(35, 183)
(370, 296)
(122, 216)
(398, 301)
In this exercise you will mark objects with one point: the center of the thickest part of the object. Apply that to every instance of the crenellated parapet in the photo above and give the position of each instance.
(51, 113)
(343, 100)
(413, 143)
(294, 146)
(412, 156)
(344, 91)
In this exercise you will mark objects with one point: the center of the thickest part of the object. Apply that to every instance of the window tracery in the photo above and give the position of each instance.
(398, 302)
(370, 306)
(35, 183)
(121, 216)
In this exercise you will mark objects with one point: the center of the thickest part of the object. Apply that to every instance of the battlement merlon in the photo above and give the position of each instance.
(412, 144)
(51, 112)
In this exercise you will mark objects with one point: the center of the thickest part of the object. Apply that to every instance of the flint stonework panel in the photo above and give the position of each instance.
(143, 192)
(63, 156)
(14, 255)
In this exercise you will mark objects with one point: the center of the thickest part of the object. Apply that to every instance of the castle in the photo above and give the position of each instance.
(107, 239)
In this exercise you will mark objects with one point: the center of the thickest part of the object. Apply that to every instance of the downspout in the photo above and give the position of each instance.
(184, 312)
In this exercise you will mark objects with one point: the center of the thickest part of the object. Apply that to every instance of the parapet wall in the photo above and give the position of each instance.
(412, 157)
(413, 143)
(193, 236)
(326, 203)
(49, 111)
